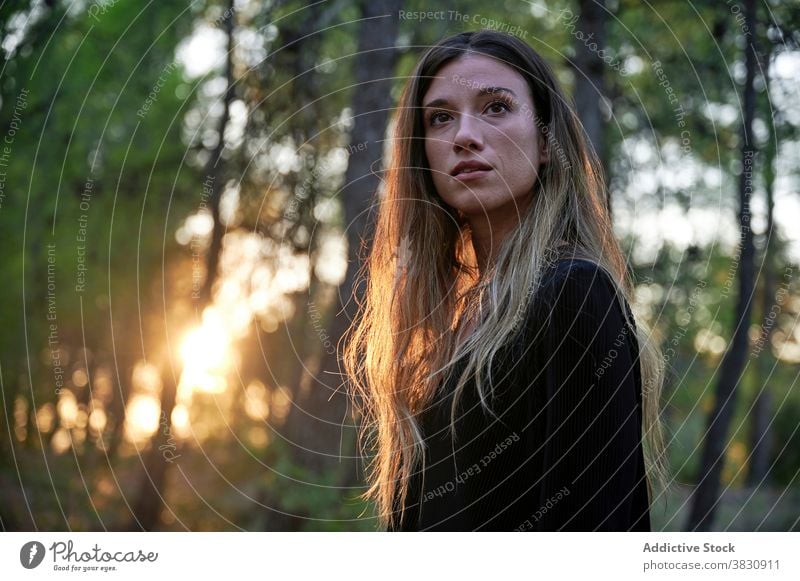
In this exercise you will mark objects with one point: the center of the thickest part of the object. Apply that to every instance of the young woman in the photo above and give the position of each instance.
(502, 380)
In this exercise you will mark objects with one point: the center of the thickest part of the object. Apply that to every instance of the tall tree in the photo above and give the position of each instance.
(77, 136)
(321, 436)
(591, 92)
(778, 37)
(706, 495)
(760, 433)
(150, 500)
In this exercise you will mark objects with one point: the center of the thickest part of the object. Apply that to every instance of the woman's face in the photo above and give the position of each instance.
(479, 112)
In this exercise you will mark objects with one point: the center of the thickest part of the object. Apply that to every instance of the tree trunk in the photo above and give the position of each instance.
(706, 496)
(163, 451)
(321, 437)
(123, 371)
(301, 46)
(760, 434)
(163, 448)
(590, 85)
(215, 172)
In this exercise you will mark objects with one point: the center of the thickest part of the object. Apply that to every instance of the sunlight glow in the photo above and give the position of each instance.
(141, 418)
(61, 441)
(180, 421)
(203, 51)
(45, 418)
(67, 409)
(256, 403)
(146, 378)
(706, 341)
(98, 420)
(206, 356)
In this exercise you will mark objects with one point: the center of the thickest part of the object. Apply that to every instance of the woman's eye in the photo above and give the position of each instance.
(437, 116)
(495, 107)
(498, 106)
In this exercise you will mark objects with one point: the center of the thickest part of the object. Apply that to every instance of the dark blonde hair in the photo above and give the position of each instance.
(422, 276)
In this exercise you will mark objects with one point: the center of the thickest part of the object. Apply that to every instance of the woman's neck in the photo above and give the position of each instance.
(489, 230)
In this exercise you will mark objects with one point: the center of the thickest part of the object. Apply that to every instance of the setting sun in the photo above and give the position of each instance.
(206, 356)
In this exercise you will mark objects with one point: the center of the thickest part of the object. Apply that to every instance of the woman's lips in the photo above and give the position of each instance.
(472, 175)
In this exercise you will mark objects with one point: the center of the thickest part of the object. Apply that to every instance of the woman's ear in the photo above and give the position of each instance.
(544, 149)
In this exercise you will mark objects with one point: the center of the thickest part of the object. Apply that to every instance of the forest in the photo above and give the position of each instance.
(186, 198)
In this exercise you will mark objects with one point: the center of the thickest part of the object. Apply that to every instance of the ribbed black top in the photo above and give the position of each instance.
(566, 452)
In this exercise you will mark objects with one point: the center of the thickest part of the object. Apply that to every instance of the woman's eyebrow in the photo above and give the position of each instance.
(480, 92)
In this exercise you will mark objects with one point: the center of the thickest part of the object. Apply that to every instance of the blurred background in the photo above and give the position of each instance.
(186, 196)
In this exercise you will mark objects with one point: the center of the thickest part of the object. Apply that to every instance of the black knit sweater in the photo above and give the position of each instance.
(566, 451)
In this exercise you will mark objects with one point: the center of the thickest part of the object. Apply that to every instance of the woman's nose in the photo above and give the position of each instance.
(469, 134)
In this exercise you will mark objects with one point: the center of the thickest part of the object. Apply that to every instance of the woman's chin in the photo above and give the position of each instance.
(475, 208)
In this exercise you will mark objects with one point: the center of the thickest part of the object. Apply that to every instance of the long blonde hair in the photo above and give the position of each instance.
(423, 282)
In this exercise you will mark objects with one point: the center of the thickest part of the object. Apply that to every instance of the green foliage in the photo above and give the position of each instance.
(110, 138)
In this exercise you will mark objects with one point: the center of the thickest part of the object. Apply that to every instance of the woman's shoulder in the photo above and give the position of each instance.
(571, 266)
(575, 274)
(580, 287)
